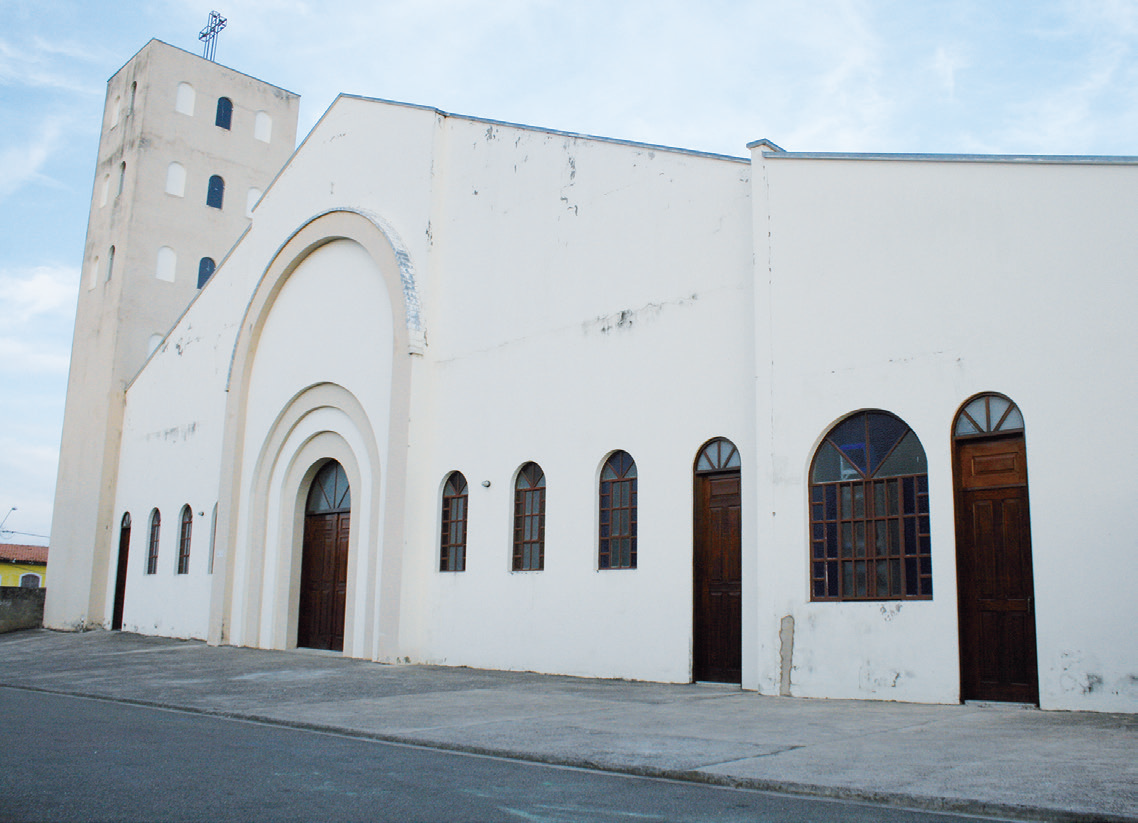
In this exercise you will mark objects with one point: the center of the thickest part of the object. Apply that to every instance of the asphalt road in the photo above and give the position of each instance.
(67, 758)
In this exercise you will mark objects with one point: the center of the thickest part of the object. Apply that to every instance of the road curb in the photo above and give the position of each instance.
(978, 808)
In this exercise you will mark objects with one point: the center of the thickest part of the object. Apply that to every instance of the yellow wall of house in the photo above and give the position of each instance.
(10, 573)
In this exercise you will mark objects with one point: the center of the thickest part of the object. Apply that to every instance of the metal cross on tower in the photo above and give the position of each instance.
(208, 35)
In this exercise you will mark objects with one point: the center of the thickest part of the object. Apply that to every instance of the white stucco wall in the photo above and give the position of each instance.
(583, 297)
(910, 286)
(567, 297)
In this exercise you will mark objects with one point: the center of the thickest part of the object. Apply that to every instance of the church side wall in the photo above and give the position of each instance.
(910, 287)
(170, 457)
(583, 297)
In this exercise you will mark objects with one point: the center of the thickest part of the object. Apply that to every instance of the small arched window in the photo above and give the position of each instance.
(133, 95)
(452, 542)
(869, 512)
(529, 519)
(224, 113)
(152, 543)
(122, 178)
(187, 527)
(618, 513)
(216, 192)
(176, 179)
(206, 268)
(30, 580)
(263, 127)
(184, 101)
(167, 264)
(110, 262)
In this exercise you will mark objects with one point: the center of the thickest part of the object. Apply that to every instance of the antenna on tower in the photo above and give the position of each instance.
(208, 35)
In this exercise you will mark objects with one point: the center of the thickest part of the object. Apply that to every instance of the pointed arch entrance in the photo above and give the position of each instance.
(993, 553)
(324, 561)
(717, 569)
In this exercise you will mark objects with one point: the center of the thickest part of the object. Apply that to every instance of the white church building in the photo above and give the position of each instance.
(471, 393)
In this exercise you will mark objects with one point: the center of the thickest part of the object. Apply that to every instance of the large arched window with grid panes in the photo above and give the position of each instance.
(152, 543)
(869, 512)
(452, 542)
(529, 519)
(617, 514)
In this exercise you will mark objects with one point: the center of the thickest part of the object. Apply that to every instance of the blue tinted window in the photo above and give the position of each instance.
(224, 112)
(216, 193)
(205, 270)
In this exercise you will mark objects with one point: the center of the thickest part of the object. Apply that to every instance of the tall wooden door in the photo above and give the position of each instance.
(120, 573)
(994, 571)
(717, 648)
(324, 562)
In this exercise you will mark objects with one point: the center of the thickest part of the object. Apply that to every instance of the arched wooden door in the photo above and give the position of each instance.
(120, 573)
(993, 553)
(324, 561)
(717, 569)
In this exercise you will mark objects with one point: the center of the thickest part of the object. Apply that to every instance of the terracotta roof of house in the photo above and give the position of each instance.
(17, 553)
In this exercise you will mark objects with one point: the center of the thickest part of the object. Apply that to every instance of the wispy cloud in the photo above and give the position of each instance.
(946, 62)
(34, 294)
(22, 164)
(44, 64)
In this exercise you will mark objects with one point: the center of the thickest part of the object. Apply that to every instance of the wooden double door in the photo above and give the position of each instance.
(994, 572)
(324, 581)
(717, 647)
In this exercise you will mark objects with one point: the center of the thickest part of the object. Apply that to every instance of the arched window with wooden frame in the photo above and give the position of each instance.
(617, 513)
(184, 531)
(152, 544)
(869, 512)
(529, 519)
(452, 542)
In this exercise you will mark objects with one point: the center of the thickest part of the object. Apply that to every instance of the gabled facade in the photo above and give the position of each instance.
(474, 393)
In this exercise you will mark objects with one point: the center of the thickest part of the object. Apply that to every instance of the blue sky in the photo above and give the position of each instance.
(973, 76)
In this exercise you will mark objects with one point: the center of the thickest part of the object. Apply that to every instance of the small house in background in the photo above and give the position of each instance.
(24, 566)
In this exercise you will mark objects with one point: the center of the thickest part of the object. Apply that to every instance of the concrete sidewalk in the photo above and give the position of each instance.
(1003, 761)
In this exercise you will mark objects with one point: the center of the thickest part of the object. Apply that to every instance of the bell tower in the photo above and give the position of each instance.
(186, 150)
